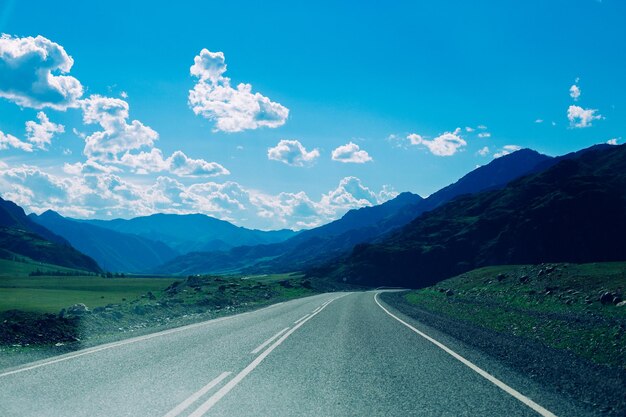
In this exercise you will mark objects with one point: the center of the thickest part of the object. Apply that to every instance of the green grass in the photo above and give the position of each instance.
(560, 309)
(10, 268)
(50, 294)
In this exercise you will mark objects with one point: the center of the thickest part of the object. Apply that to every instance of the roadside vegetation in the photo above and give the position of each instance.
(579, 308)
(43, 315)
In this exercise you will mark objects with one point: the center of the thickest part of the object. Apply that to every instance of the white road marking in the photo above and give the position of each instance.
(504, 387)
(208, 404)
(301, 318)
(268, 341)
(96, 349)
(195, 396)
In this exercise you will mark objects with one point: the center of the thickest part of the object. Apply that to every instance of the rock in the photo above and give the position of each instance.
(621, 304)
(501, 277)
(449, 293)
(617, 299)
(606, 298)
(524, 279)
(78, 309)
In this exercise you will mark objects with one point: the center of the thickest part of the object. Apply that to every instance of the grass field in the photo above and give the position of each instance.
(558, 305)
(50, 294)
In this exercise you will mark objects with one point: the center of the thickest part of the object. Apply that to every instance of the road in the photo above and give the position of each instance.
(336, 354)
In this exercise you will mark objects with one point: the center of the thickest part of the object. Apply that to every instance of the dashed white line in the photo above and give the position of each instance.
(268, 341)
(195, 396)
(208, 404)
(511, 391)
(301, 318)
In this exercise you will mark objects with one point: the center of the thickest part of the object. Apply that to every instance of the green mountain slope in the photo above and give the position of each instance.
(574, 211)
(21, 237)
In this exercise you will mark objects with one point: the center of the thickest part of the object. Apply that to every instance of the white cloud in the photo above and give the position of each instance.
(613, 141)
(10, 141)
(506, 149)
(29, 73)
(446, 144)
(118, 136)
(350, 152)
(350, 193)
(232, 109)
(484, 135)
(482, 127)
(92, 190)
(539, 121)
(469, 129)
(291, 152)
(580, 118)
(40, 134)
(574, 92)
(178, 163)
(484, 151)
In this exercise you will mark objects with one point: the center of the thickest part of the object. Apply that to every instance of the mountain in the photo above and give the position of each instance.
(300, 249)
(192, 232)
(114, 251)
(21, 237)
(357, 226)
(574, 211)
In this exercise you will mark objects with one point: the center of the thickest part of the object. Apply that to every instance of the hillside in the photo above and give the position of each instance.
(114, 251)
(315, 246)
(574, 211)
(22, 238)
(192, 232)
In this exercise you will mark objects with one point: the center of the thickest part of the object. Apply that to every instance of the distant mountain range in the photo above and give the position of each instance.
(192, 232)
(315, 246)
(114, 251)
(21, 237)
(570, 210)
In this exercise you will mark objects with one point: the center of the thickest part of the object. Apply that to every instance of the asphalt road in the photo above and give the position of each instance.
(333, 354)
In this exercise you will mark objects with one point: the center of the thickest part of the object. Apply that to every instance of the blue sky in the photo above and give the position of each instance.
(347, 103)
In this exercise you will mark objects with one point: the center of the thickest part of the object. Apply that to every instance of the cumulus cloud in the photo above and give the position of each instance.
(446, 144)
(117, 135)
(580, 118)
(350, 153)
(40, 134)
(92, 190)
(10, 141)
(30, 71)
(506, 149)
(178, 163)
(484, 151)
(291, 152)
(484, 135)
(232, 109)
(612, 141)
(574, 92)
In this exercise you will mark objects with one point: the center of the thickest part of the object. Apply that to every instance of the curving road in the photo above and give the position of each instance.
(336, 354)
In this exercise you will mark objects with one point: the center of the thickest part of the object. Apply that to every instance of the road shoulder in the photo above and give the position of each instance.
(596, 388)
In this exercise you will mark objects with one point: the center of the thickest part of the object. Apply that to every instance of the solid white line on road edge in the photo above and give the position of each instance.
(96, 349)
(195, 396)
(208, 404)
(301, 318)
(504, 387)
(268, 341)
